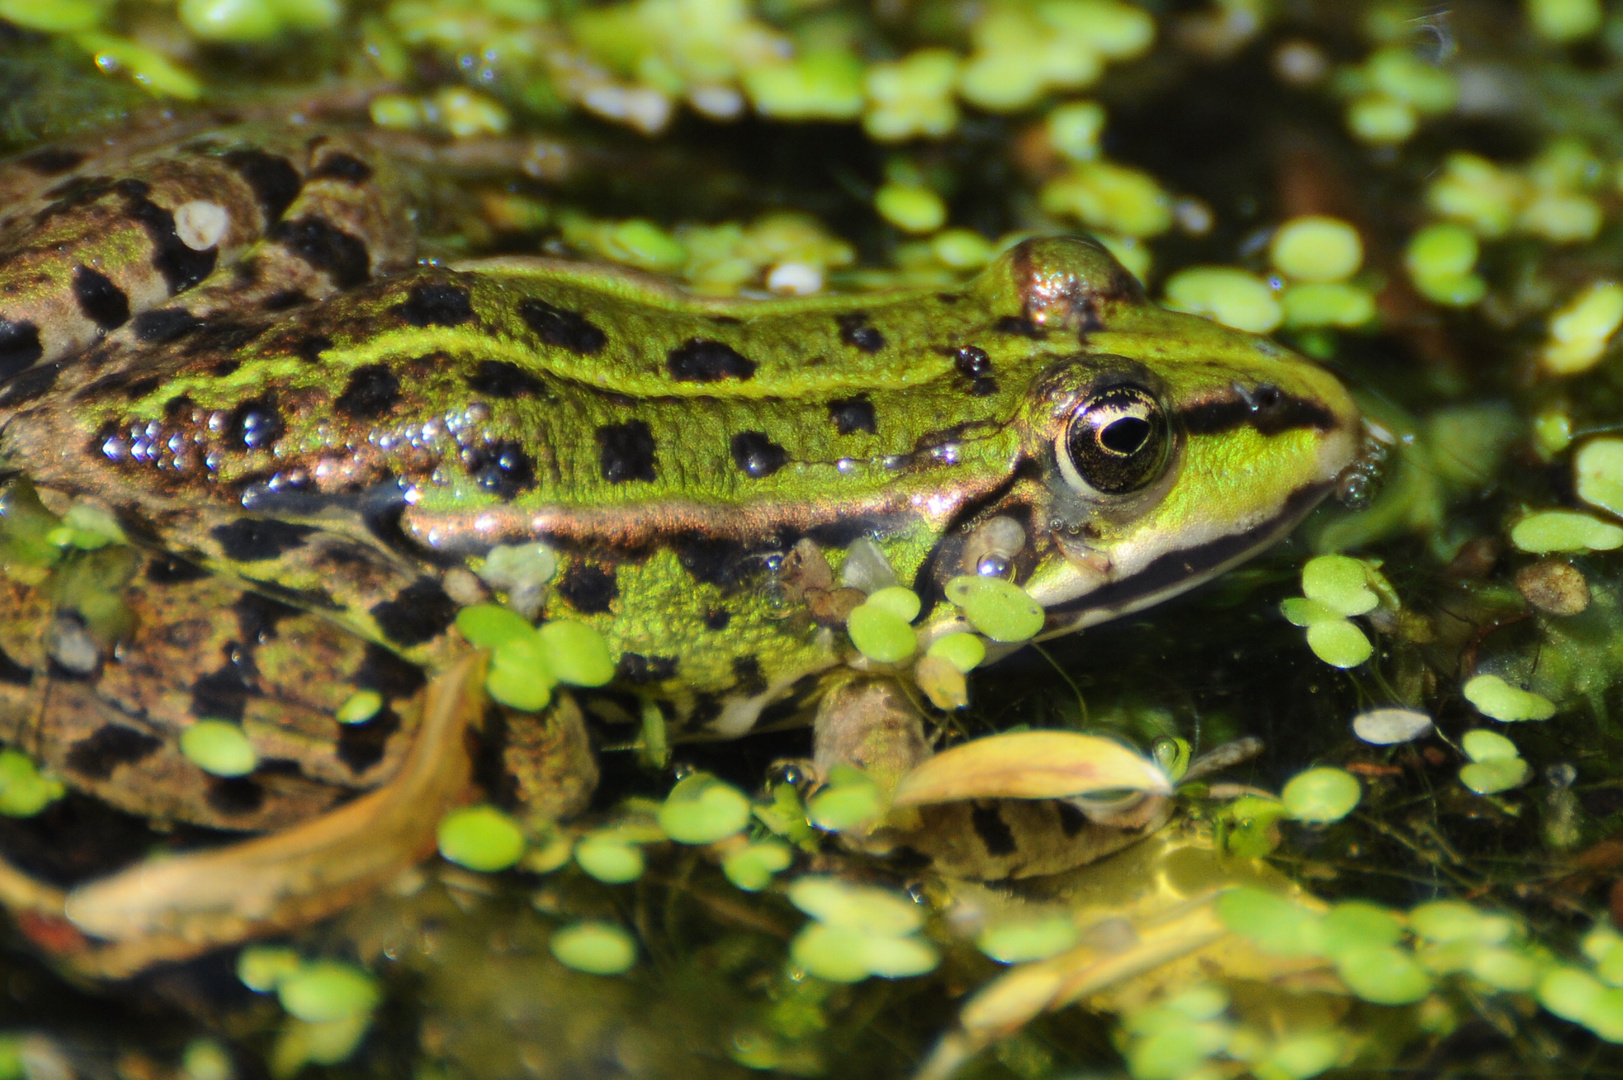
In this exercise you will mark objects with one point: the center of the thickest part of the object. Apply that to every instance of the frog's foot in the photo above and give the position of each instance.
(177, 907)
(967, 827)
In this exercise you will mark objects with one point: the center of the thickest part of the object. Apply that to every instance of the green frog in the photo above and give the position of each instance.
(221, 338)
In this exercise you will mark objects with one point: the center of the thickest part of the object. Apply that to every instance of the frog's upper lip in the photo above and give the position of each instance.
(1180, 569)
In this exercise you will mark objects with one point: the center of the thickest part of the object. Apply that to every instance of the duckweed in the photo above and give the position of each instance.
(1564, 530)
(1496, 765)
(359, 707)
(490, 626)
(961, 249)
(1111, 197)
(963, 651)
(577, 653)
(1444, 921)
(701, 810)
(1339, 643)
(1020, 940)
(609, 858)
(1330, 303)
(1001, 610)
(912, 97)
(1580, 331)
(1381, 119)
(1274, 923)
(1321, 795)
(520, 674)
(1390, 726)
(597, 948)
(1355, 925)
(327, 990)
(481, 838)
(1441, 260)
(1496, 698)
(24, 790)
(911, 207)
(1384, 975)
(261, 968)
(1074, 128)
(880, 634)
(870, 910)
(1341, 583)
(1316, 249)
(849, 799)
(752, 866)
(1598, 471)
(219, 747)
(1565, 20)
(1227, 295)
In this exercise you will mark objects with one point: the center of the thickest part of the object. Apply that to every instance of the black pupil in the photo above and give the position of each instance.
(1125, 436)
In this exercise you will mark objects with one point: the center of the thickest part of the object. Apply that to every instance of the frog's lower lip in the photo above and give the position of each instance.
(1178, 570)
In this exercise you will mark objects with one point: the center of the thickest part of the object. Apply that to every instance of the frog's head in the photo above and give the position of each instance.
(1160, 452)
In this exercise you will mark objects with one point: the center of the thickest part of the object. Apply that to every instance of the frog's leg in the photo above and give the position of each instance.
(177, 907)
(874, 724)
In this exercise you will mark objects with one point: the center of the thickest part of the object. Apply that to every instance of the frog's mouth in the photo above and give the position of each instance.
(1088, 586)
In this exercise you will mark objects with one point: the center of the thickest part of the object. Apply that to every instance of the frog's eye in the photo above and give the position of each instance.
(1116, 441)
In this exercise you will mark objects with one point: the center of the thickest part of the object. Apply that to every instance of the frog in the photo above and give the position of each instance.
(220, 338)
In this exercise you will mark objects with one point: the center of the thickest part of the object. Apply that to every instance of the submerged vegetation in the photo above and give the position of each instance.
(1423, 869)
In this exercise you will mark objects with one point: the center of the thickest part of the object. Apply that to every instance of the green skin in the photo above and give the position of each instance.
(341, 452)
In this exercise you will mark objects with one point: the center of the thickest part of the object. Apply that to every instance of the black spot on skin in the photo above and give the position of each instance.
(12, 672)
(717, 619)
(639, 670)
(706, 707)
(502, 380)
(626, 452)
(1268, 409)
(983, 388)
(32, 384)
(564, 329)
(855, 332)
(221, 694)
(1021, 326)
(713, 560)
(361, 746)
(258, 616)
(110, 746)
(255, 424)
(100, 301)
(51, 161)
(589, 588)
(221, 368)
(310, 348)
(972, 362)
(161, 325)
(852, 415)
(1071, 819)
(756, 455)
(703, 360)
(256, 539)
(180, 266)
(436, 304)
(283, 300)
(274, 180)
(419, 613)
(388, 674)
(232, 796)
(178, 406)
(221, 337)
(170, 570)
(747, 670)
(20, 348)
(338, 165)
(327, 248)
(992, 829)
(372, 391)
(504, 469)
(140, 388)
